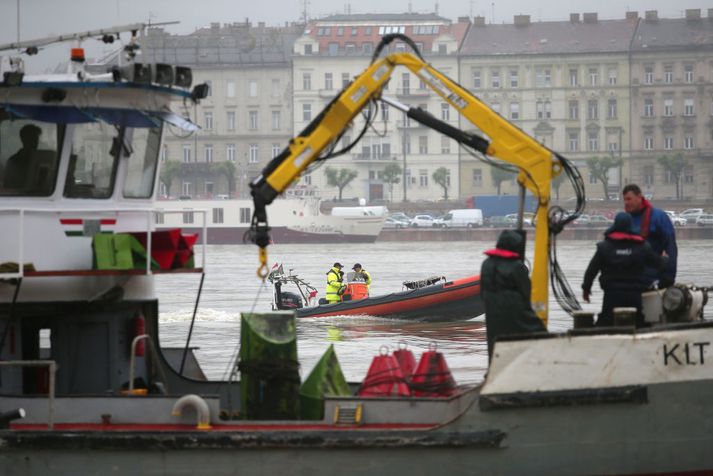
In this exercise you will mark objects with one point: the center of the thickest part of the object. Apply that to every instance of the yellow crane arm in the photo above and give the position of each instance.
(505, 141)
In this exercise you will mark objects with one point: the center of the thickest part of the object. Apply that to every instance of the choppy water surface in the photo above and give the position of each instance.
(231, 287)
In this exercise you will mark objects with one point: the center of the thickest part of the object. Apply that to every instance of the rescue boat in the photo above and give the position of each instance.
(433, 299)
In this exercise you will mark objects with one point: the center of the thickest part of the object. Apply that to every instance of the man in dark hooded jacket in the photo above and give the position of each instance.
(505, 289)
(621, 259)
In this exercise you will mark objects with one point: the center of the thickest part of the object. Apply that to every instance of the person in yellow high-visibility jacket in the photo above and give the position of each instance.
(335, 284)
(360, 274)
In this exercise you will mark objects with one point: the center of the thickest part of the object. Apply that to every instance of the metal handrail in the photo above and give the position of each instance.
(53, 370)
(148, 211)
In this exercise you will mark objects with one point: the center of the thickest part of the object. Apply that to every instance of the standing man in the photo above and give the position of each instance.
(335, 284)
(654, 225)
(360, 274)
(621, 259)
(505, 287)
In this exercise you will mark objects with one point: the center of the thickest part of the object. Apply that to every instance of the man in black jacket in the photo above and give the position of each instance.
(621, 259)
(505, 289)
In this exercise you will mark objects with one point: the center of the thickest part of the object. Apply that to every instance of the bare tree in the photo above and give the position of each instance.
(391, 176)
(340, 178)
(675, 165)
(440, 176)
(599, 168)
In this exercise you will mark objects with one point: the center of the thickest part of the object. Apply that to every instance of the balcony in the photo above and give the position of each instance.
(413, 92)
(370, 159)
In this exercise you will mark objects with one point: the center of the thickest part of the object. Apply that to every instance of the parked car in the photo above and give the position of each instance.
(500, 222)
(422, 221)
(599, 220)
(527, 218)
(467, 217)
(391, 222)
(692, 214)
(676, 219)
(705, 220)
(582, 220)
(400, 216)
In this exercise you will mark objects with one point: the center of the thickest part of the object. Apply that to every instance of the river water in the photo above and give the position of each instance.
(231, 287)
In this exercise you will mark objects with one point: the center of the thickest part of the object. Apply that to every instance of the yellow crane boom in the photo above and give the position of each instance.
(536, 163)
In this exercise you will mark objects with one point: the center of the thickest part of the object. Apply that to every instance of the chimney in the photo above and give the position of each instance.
(693, 14)
(574, 17)
(463, 19)
(589, 17)
(522, 20)
(651, 16)
(478, 21)
(632, 15)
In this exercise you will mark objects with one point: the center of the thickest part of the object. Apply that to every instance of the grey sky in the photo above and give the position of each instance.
(41, 18)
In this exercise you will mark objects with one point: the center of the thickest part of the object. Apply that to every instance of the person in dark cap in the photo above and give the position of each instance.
(505, 289)
(335, 283)
(17, 169)
(620, 258)
(360, 274)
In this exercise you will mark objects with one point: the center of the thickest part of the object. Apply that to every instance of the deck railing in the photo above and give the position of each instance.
(150, 221)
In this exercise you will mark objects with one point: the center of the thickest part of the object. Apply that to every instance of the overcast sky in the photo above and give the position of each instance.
(40, 18)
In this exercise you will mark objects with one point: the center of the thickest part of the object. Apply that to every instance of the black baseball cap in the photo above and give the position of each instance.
(337, 265)
(356, 265)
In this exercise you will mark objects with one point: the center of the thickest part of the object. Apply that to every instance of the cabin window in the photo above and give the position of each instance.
(28, 156)
(141, 165)
(94, 159)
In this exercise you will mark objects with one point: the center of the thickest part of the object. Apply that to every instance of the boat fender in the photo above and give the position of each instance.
(199, 405)
(138, 328)
(432, 378)
(384, 378)
(406, 360)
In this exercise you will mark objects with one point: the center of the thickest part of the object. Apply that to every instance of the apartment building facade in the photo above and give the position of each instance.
(246, 118)
(672, 105)
(566, 83)
(331, 53)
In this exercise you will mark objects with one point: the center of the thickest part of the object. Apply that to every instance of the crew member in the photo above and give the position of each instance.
(621, 259)
(335, 284)
(654, 225)
(505, 288)
(18, 165)
(360, 274)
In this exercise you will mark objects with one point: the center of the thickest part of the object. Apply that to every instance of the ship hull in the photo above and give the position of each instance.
(652, 436)
(450, 301)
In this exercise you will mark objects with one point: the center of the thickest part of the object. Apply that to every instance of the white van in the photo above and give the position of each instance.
(466, 217)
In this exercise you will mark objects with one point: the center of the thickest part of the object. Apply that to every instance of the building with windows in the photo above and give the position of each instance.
(566, 83)
(672, 105)
(247, 117)
(331, 53)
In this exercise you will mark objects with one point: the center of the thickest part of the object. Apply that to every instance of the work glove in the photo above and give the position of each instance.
(586, 295)
(665, 283)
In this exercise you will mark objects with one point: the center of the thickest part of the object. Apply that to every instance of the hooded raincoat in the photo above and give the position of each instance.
(505, 288)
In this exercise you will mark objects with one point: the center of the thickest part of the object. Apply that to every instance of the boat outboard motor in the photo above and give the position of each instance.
(287, 300)
(683, 302)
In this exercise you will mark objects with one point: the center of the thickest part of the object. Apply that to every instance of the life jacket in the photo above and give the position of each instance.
(334, 284)
(621, 236)
(501, 253)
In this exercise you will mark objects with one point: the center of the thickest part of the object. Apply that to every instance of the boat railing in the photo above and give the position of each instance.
(52, 365)
(150, 213)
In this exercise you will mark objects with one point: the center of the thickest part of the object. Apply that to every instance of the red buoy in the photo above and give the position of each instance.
(406, 360)
(432, 378)
(384, 378)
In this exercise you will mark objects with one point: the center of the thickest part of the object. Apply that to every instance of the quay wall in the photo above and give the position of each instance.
(491, 234)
